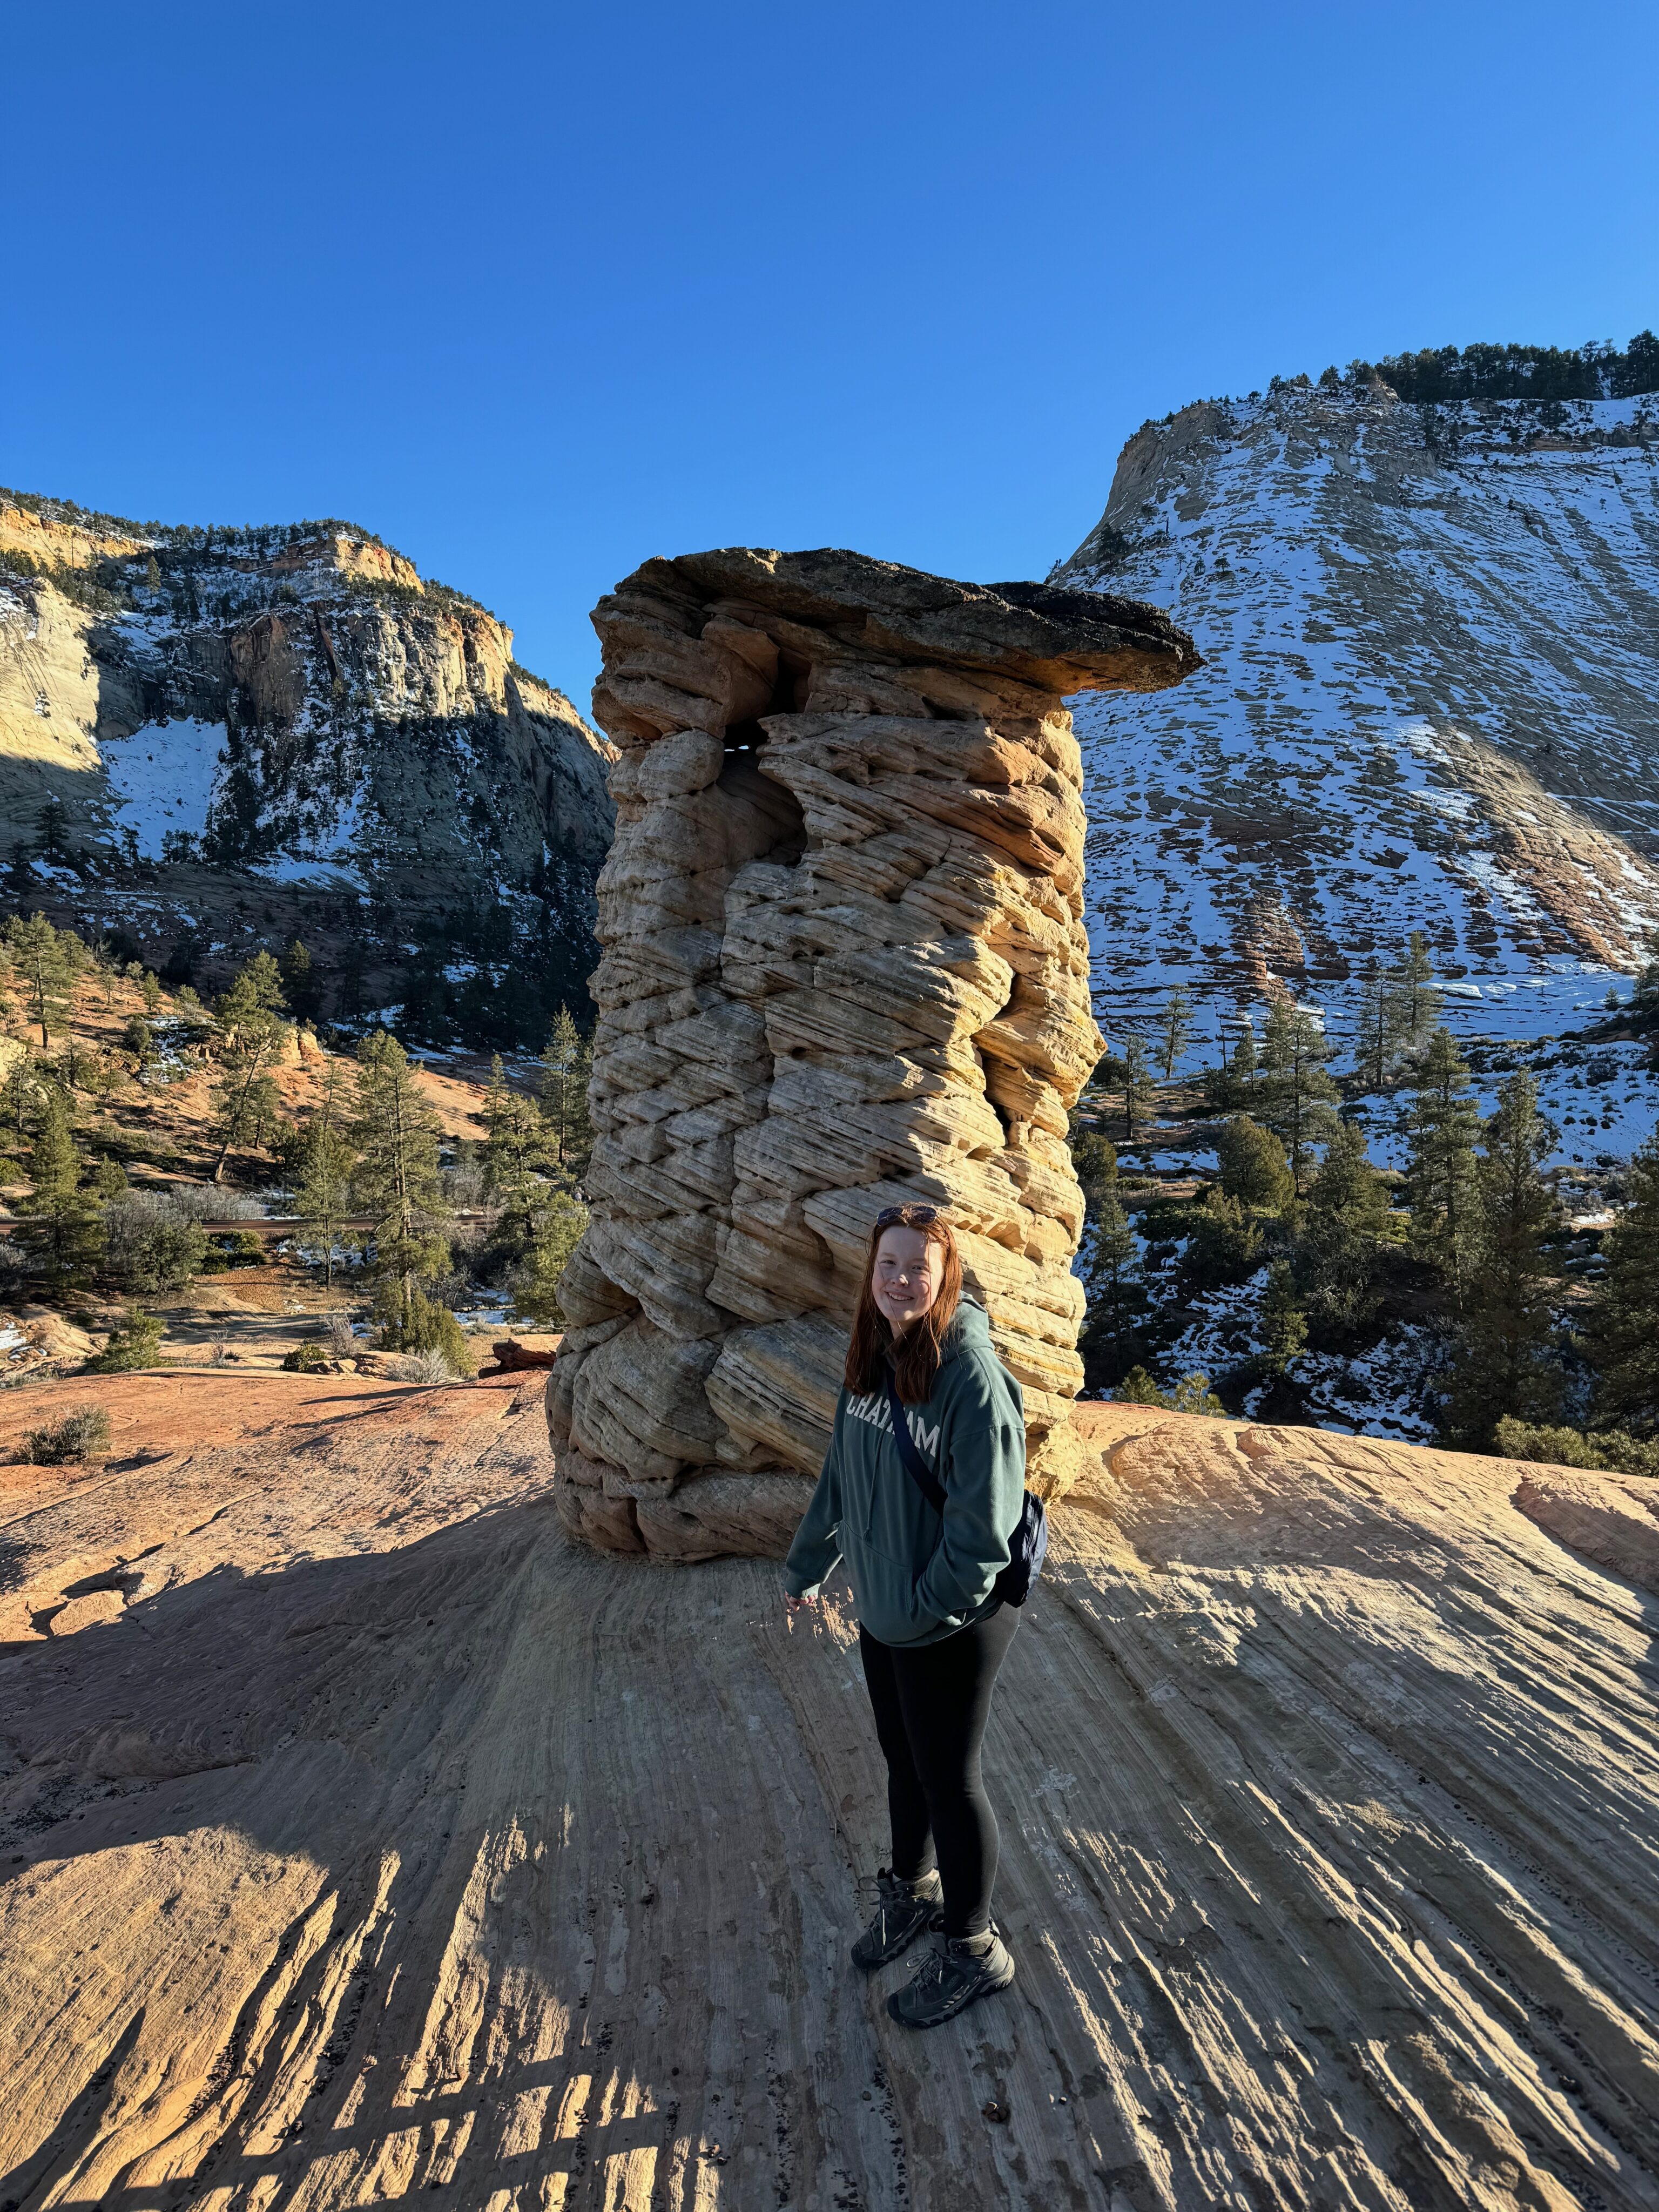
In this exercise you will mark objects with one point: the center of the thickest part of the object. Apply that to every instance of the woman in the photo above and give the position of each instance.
(931, 1631)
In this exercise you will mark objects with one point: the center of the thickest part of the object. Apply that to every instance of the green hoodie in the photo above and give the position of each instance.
(919, 1575)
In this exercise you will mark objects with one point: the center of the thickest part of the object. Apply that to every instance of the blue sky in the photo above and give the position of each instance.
(538, 292)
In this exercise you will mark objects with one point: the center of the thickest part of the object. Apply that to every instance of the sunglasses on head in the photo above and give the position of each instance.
(905, 1217)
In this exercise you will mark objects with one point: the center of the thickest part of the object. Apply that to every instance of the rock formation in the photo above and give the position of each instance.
(844, 965)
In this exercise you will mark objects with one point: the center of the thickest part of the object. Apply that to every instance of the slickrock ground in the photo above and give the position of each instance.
(367, 1842)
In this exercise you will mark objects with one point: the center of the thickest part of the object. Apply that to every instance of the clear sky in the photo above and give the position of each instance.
(539, 291)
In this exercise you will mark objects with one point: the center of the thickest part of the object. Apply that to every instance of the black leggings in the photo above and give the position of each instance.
(932, 1702)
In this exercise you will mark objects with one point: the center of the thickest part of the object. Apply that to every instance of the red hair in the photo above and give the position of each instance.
(917, 1353)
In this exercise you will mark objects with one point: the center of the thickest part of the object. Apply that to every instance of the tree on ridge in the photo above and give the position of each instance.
(1505, 1362)
(1442, 1122)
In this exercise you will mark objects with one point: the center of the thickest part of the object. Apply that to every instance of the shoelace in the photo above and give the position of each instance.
(933, 1969)
(877, 1894)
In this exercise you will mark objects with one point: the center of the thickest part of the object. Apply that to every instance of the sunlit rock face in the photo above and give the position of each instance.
(284, 729)
(844, 966)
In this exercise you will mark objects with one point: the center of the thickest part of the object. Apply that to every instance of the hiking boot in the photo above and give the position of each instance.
(903, 1909)
(950, 1979)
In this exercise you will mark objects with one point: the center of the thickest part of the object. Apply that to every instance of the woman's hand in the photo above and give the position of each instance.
(794, 1605)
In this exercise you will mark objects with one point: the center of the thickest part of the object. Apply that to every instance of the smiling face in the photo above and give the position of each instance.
(905, 1279)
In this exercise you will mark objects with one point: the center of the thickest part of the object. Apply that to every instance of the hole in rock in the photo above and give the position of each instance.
(786, 693)
(778, 831)
(773, 809)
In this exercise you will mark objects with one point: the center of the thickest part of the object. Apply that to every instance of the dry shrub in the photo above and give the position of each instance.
(80, 1435)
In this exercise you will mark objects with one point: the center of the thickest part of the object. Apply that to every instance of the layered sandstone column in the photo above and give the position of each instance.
(844, 965)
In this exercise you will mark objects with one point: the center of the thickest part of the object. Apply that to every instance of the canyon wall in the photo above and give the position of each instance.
(1432, 663)
(844, 965)
(224, 737)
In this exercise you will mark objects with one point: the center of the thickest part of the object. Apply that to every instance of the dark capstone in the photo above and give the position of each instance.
(1057, 640)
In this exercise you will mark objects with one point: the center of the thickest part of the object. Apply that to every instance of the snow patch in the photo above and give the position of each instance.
(163, 778)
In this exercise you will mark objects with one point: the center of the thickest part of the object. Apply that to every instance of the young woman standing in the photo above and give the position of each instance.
(932, 1630)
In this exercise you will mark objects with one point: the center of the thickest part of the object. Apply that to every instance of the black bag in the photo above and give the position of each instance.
(1028, 1546)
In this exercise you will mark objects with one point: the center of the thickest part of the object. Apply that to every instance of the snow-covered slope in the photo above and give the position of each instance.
(1430, 701)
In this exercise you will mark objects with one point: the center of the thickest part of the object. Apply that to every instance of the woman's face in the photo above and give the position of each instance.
(907, 1276)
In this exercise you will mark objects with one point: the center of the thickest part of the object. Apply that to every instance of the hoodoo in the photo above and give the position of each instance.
(844, 964)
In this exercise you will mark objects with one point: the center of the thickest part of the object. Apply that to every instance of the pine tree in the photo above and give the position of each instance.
(397, 1179)
(107, 969)
(20, 1095)
(326, 1162)
(1374, 1040)
(1340, 1237)
(1231, 1085)
(1224, 1243)
(1348, 1188)
(1442, 1123)
(495, 1104)
(1254, 1168)
(323, 1194)
(1300, 1098)
(303, 986)
(518, 1153)
(20, 880)
(1283, 1322)
(1621, 1331)
(249, 1023)
(51, 839)
(1176, 1029)
(45, 968)
(567, 1067)
(63, 1234)
(1504, 1361)
(264, 1110)
(556, 1228)
(1116, 1298)
(1411, 1004)
(134, 1343)
(1138, 1089)
(1094, 1162)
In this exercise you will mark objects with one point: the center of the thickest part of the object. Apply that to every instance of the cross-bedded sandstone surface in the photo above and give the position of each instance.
(364, 1841)
(844, 965)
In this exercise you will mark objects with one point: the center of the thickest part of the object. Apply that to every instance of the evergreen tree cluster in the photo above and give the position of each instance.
(371, 1148)
(1478, 1245)
(1594, 371)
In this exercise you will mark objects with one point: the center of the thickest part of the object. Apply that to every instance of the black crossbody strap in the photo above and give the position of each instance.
(915, 1466)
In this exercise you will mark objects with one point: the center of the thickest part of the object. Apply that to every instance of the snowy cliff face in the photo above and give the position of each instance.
(1430, 701)
(189, 709)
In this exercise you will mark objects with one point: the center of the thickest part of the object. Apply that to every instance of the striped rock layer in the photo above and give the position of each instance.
(844, 965)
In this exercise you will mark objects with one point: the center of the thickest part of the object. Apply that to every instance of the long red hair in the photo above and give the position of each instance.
(917, 1353)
